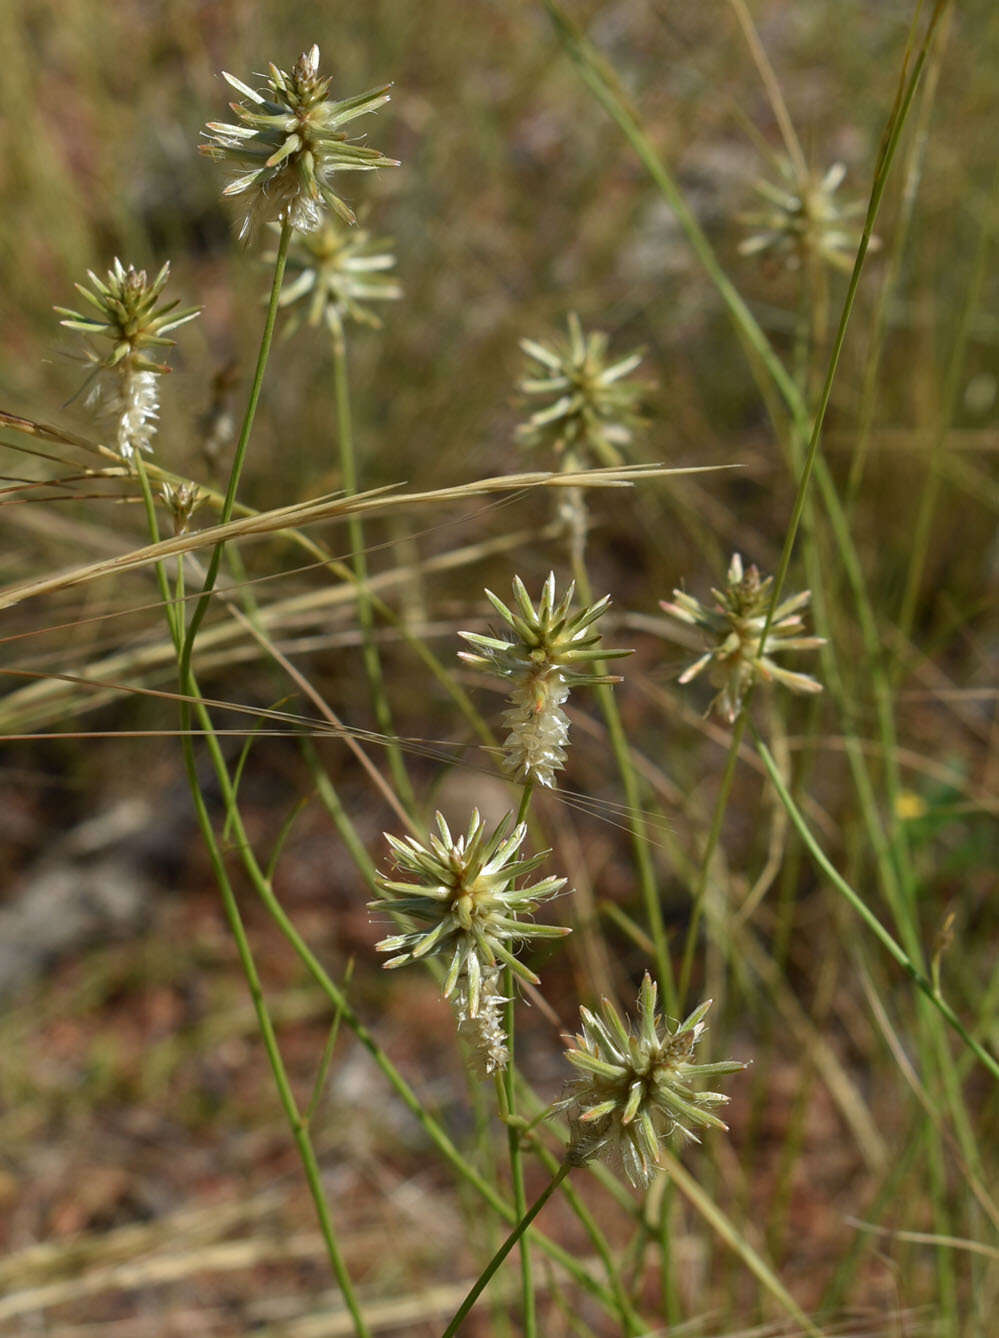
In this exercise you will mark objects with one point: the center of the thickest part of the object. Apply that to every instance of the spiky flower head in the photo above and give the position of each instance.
(802, 218)
(181, 500)
(336, 271)
(636, 1085)
(552, 650)
(593, 409)
(738, 656)
(132, 318)
(461, 896)
(289, 143)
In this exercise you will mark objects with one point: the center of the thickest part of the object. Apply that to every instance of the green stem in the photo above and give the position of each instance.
(297, 1123)
(639, 836)
(513, 1136)
(359, 561)
(486, 1275)
(239, 458)
(893, 947)
(714, 835)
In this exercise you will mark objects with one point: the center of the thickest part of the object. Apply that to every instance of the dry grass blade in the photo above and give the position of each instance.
(333, 507)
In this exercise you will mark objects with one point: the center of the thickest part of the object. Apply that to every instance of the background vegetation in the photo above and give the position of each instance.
(148, 1184)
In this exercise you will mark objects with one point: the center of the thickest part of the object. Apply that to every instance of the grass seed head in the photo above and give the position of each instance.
(334, 273)
(552, 650)
(737, 656)
(288, 144)
(460, 895)
(593, 409)
(635, 1087)
(803, 218)
(129, 314)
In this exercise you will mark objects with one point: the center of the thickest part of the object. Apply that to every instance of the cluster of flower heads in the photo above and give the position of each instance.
(131, 316)
(552, 650)
(802, 218)
(593, 409)
(460, 894)
(738, 655)
(335, 272)
(635, 1085)
(288, 144)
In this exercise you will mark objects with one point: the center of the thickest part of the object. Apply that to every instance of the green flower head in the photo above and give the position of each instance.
(552, 650)
(593, 408)
(635, 1087)
(131, 316)
(335, 272)
(738, 657)
(461, 897)
(802, 217)
(289, 142)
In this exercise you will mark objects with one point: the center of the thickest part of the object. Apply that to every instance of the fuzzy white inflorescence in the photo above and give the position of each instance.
(130, 399)
(539, 728)
(483, 1027)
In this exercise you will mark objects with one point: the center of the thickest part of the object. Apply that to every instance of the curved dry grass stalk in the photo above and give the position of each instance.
(332, 507)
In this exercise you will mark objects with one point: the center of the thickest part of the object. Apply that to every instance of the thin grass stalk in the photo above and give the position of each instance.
(359, 561)
(631, 1322)
(507, 1094)
(714, 835)
(482, 1281)
(893, 947)
(299, 1125)
(636, 824)
(239, 457)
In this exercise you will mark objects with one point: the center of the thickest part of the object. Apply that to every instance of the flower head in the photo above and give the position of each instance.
(803, 217)
(131, 316)
(337, 271)
(551, 652)
(593, 409)
(738, 657)
(181, 501)
(463, 902)
(290, 141)
(635, 1089)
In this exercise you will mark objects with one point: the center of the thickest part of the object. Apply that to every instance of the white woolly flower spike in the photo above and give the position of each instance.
(130, 315)
(484, 1031)
(551, 652)
(290, 142)
(464, 902)
(635, 1089)
(738, 657)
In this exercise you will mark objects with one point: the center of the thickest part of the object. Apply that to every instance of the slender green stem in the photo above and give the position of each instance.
(631, 1322)
(893, 947)
(509, 1105)
(513, 1133)
(714, 835)
(239, 458)
(365, 612)
(461, 1314)
(172, 612)
(639, 836)
(298, 1124)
